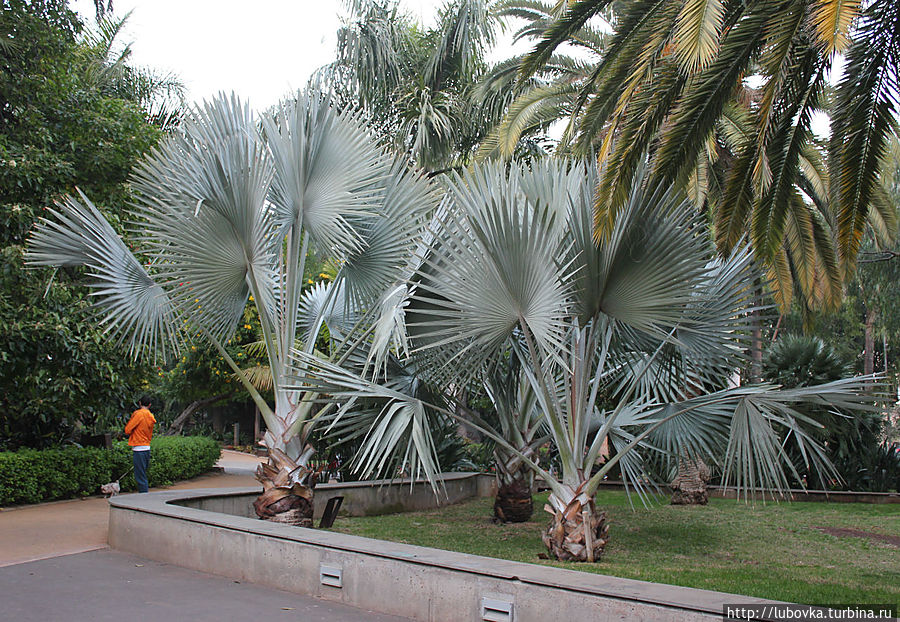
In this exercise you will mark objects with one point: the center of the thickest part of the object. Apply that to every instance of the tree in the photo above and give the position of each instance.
(671, 71)
(226, 212)
(418, 86)
(623, 341)
(548, 96)
(57, 131)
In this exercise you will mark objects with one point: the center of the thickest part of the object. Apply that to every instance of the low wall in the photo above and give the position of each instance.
(367, 498)
(415, 582)
(792, 494)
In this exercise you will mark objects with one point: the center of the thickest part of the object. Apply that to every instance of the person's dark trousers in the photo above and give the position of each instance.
(141, 464)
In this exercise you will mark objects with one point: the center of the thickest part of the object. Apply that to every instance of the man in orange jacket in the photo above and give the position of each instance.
(140, 430)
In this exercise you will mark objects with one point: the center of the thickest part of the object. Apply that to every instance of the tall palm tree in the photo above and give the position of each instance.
(673, 67)
(624, 342)
(417, 84)
(227, 208)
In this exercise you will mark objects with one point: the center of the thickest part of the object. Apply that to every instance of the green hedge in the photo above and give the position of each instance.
(33, 476)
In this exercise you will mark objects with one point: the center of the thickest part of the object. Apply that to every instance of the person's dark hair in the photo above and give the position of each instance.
(144, 400)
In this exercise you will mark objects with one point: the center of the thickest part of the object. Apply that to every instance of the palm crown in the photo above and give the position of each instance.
(626, 343)
(226, 209)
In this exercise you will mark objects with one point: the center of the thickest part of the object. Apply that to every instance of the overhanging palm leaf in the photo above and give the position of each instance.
(135, 309)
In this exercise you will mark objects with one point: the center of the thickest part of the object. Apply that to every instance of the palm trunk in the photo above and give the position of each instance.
(690, 485)
(513, 503)
(577, 531)
(287, 495)
(869, 362)
(756, 348)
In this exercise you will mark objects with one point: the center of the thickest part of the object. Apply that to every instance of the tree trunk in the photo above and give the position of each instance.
(690, 484)
(186, 414)
(756, 348)
(287, 495)
(869, 362)
(576, 533)
(513, 503)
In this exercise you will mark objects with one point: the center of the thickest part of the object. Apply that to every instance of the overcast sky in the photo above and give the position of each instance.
(262, 49)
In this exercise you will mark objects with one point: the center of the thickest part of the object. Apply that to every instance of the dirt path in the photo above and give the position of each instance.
(843, 532)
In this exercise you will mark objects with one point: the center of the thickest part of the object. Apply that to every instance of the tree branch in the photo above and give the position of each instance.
(185, 415)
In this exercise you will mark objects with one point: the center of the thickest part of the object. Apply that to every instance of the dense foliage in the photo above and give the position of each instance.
(32, 476)
(60, 128)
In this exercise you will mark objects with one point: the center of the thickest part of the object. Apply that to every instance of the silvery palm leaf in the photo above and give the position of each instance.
(136, 309)
(201, 211)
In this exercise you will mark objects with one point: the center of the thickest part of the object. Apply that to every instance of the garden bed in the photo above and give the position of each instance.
(197, 529)
(815, 553)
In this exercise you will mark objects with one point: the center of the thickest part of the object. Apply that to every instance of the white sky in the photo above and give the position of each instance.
(262, 50)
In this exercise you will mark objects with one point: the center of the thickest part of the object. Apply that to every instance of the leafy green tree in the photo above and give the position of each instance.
(58, 131)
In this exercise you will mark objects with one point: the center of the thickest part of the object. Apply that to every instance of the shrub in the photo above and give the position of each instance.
(32, 475)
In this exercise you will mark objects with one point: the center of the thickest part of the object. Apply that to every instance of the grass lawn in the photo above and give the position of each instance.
(773, 550)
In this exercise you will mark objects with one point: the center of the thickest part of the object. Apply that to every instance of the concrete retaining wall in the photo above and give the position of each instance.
(792, 494)
(368, 498)
(416, 582)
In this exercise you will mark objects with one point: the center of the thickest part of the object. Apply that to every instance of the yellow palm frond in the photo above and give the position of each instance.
(833, 19)
(697, 30)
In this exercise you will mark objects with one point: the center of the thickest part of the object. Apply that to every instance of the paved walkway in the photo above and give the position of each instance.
(55, 565)
(109, 585)
(46, 530)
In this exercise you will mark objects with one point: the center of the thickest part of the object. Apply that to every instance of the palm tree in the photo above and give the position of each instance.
(545, 98)
(624, 342)
(520, 423)
(108, 70)
(227, 209)
(417, 85)
(671, 70)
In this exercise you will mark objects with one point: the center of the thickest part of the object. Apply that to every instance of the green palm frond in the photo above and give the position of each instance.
(697, 30)
(260, 376)
(883, 217)
(574, 19)
(535, 109)
(865, 113)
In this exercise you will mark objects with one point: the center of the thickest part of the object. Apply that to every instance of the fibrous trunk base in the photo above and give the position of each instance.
(577, 535)
(287, 495)
(690, 485)
(513, 503)
(290, 510)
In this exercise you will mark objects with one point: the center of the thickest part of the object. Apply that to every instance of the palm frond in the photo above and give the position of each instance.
(137, 311)
(867, 102)
(697, 31)
(201, 212)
